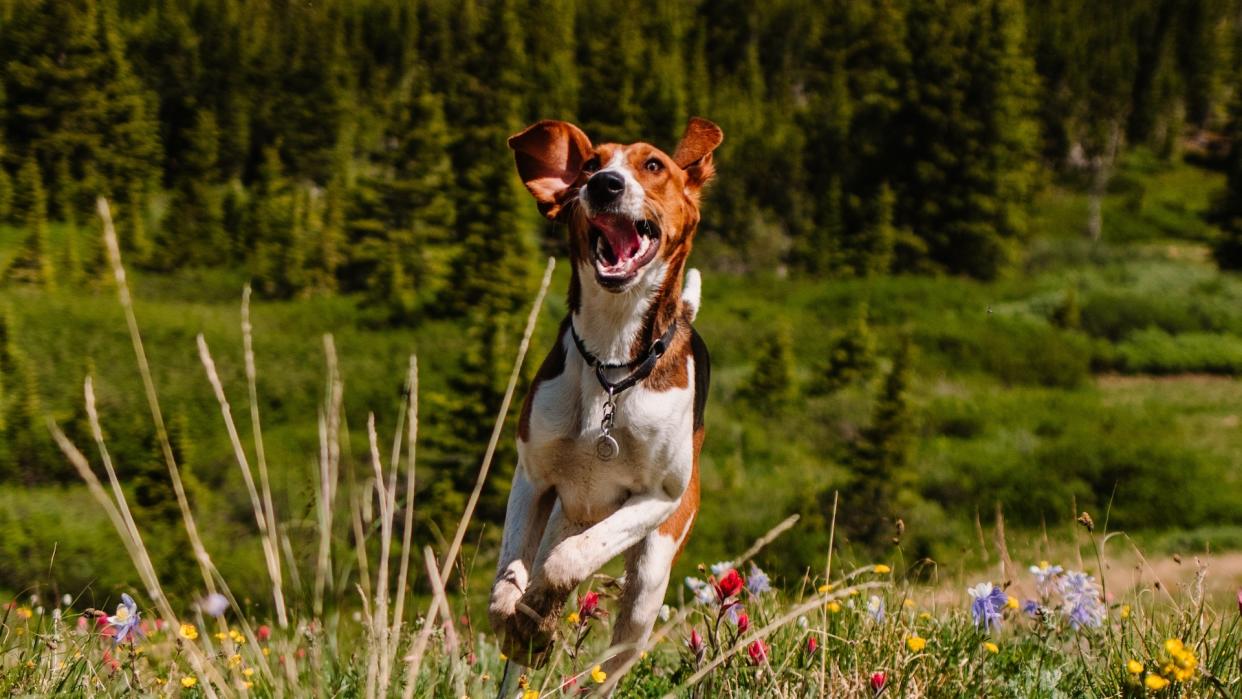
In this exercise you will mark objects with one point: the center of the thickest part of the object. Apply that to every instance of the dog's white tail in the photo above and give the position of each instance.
(692, 292)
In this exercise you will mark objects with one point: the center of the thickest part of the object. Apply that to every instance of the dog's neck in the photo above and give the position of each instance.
(618, 327)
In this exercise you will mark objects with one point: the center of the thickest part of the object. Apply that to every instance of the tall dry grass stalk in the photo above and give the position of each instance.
(329, 471)
(414, 660)
(271, 555)
(153, 402)
(260, 455)
(408, 531)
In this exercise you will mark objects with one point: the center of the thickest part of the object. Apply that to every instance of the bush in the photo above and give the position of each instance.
(1154, 351)
(1014, 350)
(1114, 315)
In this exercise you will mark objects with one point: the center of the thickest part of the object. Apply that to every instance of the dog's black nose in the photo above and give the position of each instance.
(605, 186)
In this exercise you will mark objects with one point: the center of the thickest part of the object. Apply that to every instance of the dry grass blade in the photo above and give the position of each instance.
(408, 532)
(271, 555)
(127, 304)
(454, 548)
(329, 461)
(260, 455)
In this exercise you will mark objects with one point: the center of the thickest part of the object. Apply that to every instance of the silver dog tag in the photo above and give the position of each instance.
(606, 448)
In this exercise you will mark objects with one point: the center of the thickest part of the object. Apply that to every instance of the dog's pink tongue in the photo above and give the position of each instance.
(622, 235)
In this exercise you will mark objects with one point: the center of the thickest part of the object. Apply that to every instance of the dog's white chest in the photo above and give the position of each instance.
(653, 429)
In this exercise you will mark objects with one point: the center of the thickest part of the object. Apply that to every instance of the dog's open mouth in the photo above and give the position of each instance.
(621, 247)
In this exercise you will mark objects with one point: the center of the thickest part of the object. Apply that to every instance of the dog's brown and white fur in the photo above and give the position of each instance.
(632, 212)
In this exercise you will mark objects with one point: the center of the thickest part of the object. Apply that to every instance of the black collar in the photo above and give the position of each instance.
(640, 367)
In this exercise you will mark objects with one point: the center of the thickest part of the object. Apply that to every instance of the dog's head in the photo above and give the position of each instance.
(626, 205)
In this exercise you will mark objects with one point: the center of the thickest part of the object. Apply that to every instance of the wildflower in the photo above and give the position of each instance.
(988, 601)
(66, 599)
(588, 606)
(248, 672)
(1182, 664)
(569, 683)
(214, 604)
(1155, 683)
(237, 637)
(1085, 520)
(733, 611)
(24, 612)
(110, 662)
(263, 633)
(126, 620)
(1044, 574)
(812, 644)
(719, 568)
(1124, 612)
(743, 623)
(247, 685)
(833, 607)
(703, 592)
(991, 647)
(696, 645)
(925, 615)
(907, 603)
(881, 569)
(234, 660)
(875, 607)
(598, 675)
(757, 581)
(825, 588)
(573, 618)
(1134, 667)
(758, 652)
(1083, 604)
(916, 643)
(189, 632)
(729, 585)
(878, 680)
(1012, 602)
(530, 694)
(1030, 608)
(189, 681)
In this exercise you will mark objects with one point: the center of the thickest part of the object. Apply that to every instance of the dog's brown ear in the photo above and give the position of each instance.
(694, 153)
(549, 158)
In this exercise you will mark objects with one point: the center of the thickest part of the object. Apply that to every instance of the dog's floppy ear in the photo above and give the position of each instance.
(694, 153)
(549, 158)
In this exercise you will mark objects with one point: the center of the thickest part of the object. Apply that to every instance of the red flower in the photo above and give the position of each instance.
(743, 623)
(1240, 600)
(812, 644)
(877, 682)
(758, 652)
(729, 585)
(110, 662)
(695, 644)
(569, 683)
(264, 632)
(588, 606)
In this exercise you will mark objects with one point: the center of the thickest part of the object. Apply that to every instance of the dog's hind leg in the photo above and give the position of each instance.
(647, 568)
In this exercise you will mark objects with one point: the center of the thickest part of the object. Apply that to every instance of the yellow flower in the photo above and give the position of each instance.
(1125, 611)
(20, 631)
(991, 647)
(916, 643)
(824, 589)
(881, 569)
(189, 681)
(220, 636)
(907, 603)
(598, 675)
(237, 637)
(248, 672)
(1012, 602)
(159, 681)
(248, 685)
(530, 694)
(1174, 646)
(266, 651)
(925, 615)
(573, 618)
(1155, 683)
(833, 606)
(24, 612)
(234, 660)
(1134, 667)
(188, 632)
(503, 656)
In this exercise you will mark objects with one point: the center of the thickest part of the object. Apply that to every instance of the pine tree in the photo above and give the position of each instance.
(1228, 211)
(771, 385)
(193, 231)
(851, 358)
(879, 458)
(33, 262)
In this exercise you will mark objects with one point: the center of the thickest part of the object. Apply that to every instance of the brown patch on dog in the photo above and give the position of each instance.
(676, 524)
(552, 367)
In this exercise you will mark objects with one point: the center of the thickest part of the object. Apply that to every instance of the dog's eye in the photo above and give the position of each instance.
(653, 165)
(591, 165)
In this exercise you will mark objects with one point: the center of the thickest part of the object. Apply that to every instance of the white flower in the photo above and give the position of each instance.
(803, 623)
(67, 599)
(719, 568)
(214, 604)
(980, 591)
(665, 612)
(703, 592)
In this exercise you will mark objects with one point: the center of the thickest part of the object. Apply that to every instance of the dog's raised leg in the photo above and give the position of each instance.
(525, 520)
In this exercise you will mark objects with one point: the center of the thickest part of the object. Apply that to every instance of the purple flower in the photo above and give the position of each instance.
(126, 620)
(988, 602)
(214, 604)
(734, 611)
(757, 582)
(703, 592)
(1083, 605)
(1045, 576)
(1030, 607)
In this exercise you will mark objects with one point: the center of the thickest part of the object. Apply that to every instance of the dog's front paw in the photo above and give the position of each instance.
(503, 603)
(532, 628)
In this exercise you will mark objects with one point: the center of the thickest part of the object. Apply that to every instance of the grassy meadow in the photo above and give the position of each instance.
(1099, 377)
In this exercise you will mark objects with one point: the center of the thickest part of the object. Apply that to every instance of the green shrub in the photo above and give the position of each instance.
(1015, 350)
(1154, 351)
